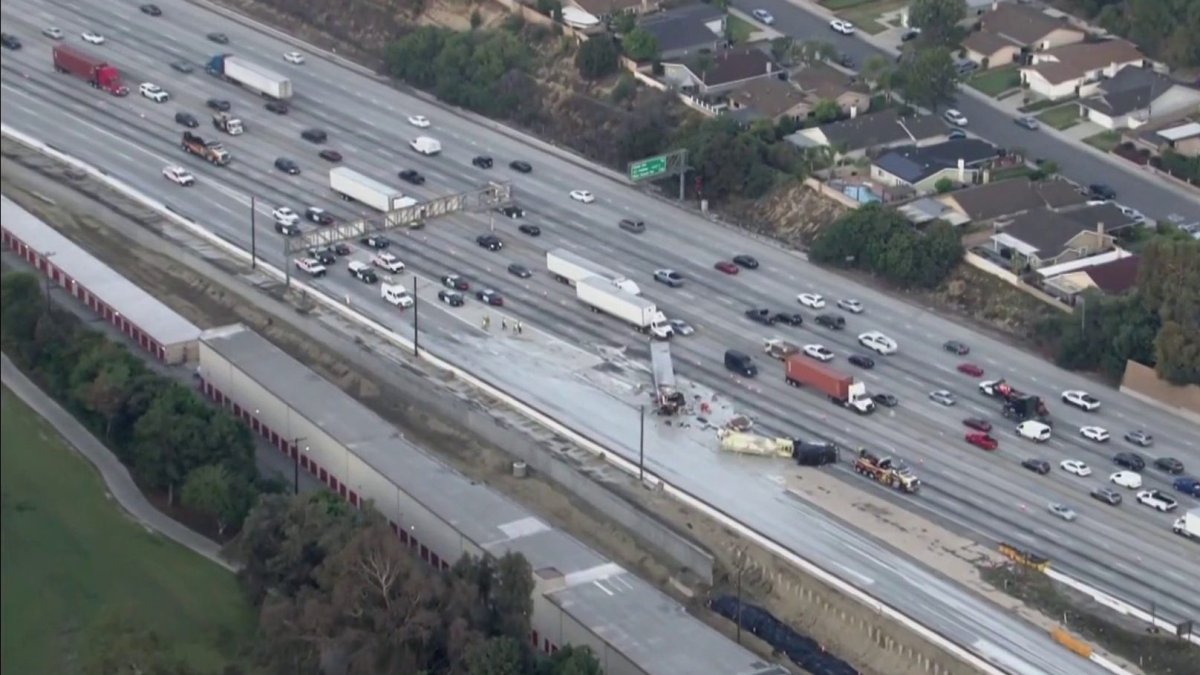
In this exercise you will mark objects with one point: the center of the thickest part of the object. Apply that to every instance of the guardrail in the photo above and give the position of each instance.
(583, 441)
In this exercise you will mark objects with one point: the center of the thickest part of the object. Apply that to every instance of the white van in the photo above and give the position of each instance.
(426, 145)
(396, 294)
(1034, 431)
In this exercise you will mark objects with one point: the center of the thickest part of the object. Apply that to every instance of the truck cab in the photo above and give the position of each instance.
(228, 123)
(426, 145)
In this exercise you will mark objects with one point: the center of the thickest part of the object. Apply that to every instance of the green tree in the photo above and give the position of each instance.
(929, 78)
(497, 656)
(571, 660)
(937, 19)
(624, 23)
(107, 393)
(218, 493)
(881, 240)
(782, 49)
(21, 307)
(641, 45)
(826, 111)
(116, 643)
(597, 58)
(1177, 352)
(943, 185)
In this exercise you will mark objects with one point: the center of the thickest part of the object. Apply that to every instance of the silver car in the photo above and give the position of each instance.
(1029, 123)
(682, 327)
(942, 396)
(851, 305)
(1139, 437)
(1062, 511)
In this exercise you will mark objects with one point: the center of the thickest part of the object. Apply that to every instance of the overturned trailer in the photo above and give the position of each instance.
(667, 398)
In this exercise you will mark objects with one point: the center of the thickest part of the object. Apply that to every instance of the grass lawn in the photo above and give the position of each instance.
(865, 15)
(1012, 172)
(739, 29)
(1062, 117)
(836, 5)
(1105, 140)
(69, 553)
(996, 81)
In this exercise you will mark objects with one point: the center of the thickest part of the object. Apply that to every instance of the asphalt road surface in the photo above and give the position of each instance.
(1141, 190)
(987, 496)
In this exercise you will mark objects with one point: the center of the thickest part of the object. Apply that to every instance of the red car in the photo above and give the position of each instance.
(970, 369)
(982, 440)
(727, 267)
(978, 424)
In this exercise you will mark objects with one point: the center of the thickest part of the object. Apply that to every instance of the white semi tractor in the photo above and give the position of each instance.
(1188, 525)
(569, 268)
(600, 295)
(353, 186)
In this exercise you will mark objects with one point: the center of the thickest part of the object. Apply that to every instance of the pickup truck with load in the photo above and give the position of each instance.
(231, 125)
(601, 296)
(800, 371)
(886, 471)
(254, 77)
(667, 398)
(1017, 404)
(212, 151)
(1188, 525)
(753, 444)
(568, 268)
(95, 71)
(353, 186)
(780, 349)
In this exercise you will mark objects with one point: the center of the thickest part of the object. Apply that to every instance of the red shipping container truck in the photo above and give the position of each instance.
(801, 371)
(97, 72)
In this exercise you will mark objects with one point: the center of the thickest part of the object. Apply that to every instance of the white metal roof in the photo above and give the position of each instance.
(1083, 263)
(145, 311)
(1181, 132)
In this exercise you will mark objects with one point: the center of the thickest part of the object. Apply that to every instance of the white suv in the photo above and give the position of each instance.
(179, 176)
(153, 92)
(387, 261)
(876, 341)
(285, 215)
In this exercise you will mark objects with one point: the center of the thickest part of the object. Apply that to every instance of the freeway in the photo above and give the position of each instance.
(984, 495)
(1144, 191)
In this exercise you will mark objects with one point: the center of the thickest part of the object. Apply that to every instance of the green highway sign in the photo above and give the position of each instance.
(648, 168)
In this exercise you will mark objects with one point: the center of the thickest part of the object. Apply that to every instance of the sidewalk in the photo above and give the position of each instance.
(120, 484)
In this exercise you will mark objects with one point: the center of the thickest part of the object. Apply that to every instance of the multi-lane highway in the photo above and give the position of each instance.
(1144, 191)
(1128, 550)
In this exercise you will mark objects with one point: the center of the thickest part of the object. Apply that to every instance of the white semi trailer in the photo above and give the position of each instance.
(569, 268)
(353, 186)
(252, 76)
(600, 295)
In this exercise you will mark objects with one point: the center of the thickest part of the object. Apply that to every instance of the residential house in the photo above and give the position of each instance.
(722, 72)
(606, 9)
(922, 167)
(1135, 96)
(1044, 237)
(686, 31)
(927, 209)
(884, 129)
(987, 202)
(1183, 139)
(1105, 214)
(1008, 31)
(1063, 71)
(769, 98)
(822, 82)
(1112, 273)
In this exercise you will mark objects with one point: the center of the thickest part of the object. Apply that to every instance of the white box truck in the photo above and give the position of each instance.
(1188, 525)
(252, 76)
(353, 186)
(599, 294)
(426, 145)
(395, 294)
(569, 268)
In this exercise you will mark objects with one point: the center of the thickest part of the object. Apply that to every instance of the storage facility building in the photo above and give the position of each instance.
(149, 323)
(580, 598)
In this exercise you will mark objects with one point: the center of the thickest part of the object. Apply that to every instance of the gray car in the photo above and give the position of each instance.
(1028, 122)
(1062, 511)
(682, 327)
(942, 396)
(634, 226)
(669, 277)
(1110, 497)
(182, 66)
(1139, 437)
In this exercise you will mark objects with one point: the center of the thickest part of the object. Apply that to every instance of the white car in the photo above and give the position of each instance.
(1076, 467)
(1098, 434)
(294, 57)
(1157, 499)
(285, 215)
(387, 261)
(850, 305)
(812, 300)
(153, 92)
(179, 176)
(1062, 511)
(311, 265)
(942, 396)
(955, 117)
(583, 196)
(53, 32)
(92, 38)
(818, 352)
(1081, 399)
(1127, 479)
(763, 16)
(419, 121)
(843, 27)
(878, 342)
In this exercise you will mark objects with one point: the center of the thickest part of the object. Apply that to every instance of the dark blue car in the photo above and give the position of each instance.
(1188, 486)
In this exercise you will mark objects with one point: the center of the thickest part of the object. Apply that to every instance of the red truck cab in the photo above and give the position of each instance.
(95, 71)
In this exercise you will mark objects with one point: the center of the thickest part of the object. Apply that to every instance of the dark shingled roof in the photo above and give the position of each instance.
(1001, 198)
(1116, 276)
(684, 28)
(1130, 90)
(1045, 230)
(1019, 23)
(1107, 214)
(987, 43)
(913, 164)
(882, 128)
(734, 65)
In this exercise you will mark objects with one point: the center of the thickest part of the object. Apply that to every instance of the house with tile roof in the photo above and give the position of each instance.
(1062, 72)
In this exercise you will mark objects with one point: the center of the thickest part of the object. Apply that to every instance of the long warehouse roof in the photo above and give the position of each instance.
(145, 311)
(636, 619)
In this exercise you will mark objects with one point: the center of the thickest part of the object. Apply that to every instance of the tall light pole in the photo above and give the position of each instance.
(253, 235)
(416, 321)
(46, 261)
(296, 456)
(642, 443)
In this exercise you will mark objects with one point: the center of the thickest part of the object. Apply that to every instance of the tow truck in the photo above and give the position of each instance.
(886, 471)
(1018, 405)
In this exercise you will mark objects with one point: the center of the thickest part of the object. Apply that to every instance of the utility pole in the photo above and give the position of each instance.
(287, 267)
(253, 236)
(741, 566)
(46, 263)
(416, 321)
(641, 442)
(296, 472)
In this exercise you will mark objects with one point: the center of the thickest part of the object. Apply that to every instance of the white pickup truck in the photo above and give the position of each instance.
(311, 265)
(1157, 499)
(395, 294)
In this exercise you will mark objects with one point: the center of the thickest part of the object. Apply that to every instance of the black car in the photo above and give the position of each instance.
(314, 135)
(747, 261)
(1129, 460)
(490, 296)
(1037, 466)
(182, 66)
(187, 119)
(324, 256)
(330, 155)
(861, 361)
(886, 400)
(219, 38)
(341, 248)
(910, 35)
(482, 161)
(277, 107)
(956, 347)
(287, 166)
(456, 282)
(218, 104)
(150, 10)
(761, 316)
(531, 230)
(452, 298)
(318, 215)
(519, 270)
(376, 241)
(412, 176)
(512, 211)
(789, 318)
(489, 241)
(10, 41)
(518, 165)
(1101, 191)
(831, 321)
(1169, 464)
